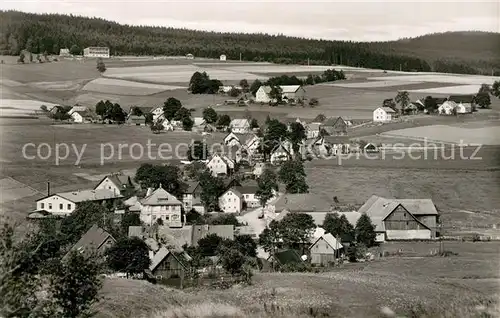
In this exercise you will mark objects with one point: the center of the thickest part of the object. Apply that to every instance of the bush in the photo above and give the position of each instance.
(296, 267)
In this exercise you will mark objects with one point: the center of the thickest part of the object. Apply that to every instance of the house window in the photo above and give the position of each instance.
(42, 205)
(69, 206)
(60, 206)
(50, 206)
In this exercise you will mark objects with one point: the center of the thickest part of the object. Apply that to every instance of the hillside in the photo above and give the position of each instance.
(473, 52)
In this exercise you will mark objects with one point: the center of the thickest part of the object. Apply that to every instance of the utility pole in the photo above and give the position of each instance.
(400, 67)
(307, 61)
(240, 56)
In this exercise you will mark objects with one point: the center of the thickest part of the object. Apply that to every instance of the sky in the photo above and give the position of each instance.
(373, 20)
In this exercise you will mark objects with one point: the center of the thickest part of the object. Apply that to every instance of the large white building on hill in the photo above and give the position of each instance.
(95, 51)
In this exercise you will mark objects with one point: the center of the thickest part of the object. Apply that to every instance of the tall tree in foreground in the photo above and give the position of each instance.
(129, 255)
(297, 135)
(211, 189)
(403, 99)
(483, 99)
(365, 231)
(338, 226)
(170, 107)
(270, 237)
(267, 185)
(296, 229)
(430, 104)
(292, 174)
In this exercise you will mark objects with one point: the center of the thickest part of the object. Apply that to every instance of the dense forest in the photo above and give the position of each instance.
(456, 52)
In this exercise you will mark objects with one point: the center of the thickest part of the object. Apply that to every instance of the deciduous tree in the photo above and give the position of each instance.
(244, 85)
(267, 184)
(198, 151)
(495, 89)
(170, 107)
(224, 120)
(211, 189)
(255, 86)
(483, 99)
(365, 231)
(151, 176)
(101, 67)
(297, 135)
(292, 174)
(128, 255)
(296, 228)
(210, 115)
(403, 99)
(338, 226)
(209, 244)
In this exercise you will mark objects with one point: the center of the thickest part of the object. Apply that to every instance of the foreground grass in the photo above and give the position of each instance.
(419, 287)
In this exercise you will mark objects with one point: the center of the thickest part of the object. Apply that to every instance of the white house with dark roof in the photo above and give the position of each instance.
(83, 116)
(402, 219)
(220, 165)
(240, 126)
(383, 114)
(324, 248)
(280, 154)
(231, 201)
(157, 113)
(115, 183)
(232, 140)
(312, 130)
(77, 109)
(287, 92)
(95, 241)
(191, 197)
(161, 205)
(64, 203)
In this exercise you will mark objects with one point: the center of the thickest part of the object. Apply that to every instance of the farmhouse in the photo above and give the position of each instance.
(56, 109)
(337, 145)
(64, 203)
(402, 219)
(280, 154)
(252, 143)
(465, 103)
(231, 201)
(115, 182)
(231, 140)
(334, 126)
(325, 248)
(220, 165)
(95, 241)
(447, 108)
(157, 112)
(222, 57)
(383, 114)
(64, 53)
(288, 92)
(95, 51)
(134, 120)
(159, 204)
(166, 264)
(240, 126)
(312, 130)
(248, 195)
(191, 196)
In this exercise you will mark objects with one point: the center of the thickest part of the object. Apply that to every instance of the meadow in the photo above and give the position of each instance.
(437, 286)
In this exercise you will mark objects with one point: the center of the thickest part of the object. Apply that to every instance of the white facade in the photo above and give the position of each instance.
(231, 140)
(220, 165)
(312, 130)
(56, 205)
(157, 113)
(161, 205)
(77, 118)
(279, 155)
(167, 125)
(447, 108)
(240, 126)
(252, 144)
(382, 114)
(231, 201)
(422, 234)
(102, 52)
(262, 94)
(223, 57)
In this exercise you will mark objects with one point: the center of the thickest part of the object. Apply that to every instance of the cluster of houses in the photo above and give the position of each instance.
(451, 105)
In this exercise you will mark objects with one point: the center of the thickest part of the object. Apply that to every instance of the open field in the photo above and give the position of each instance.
(451, 134)
(53, 71)
(121, 87)
(441, 78)
(15, 107)
(450, 286)
(449, 90)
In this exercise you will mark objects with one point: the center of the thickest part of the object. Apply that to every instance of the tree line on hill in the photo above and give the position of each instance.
(50, 32)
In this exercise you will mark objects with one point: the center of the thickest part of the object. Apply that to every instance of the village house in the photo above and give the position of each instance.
(258, 169)
(280, 154)
(288, 92)
(222, 57)
(334, 126)
(232, 140)
(250, 201)
(191, 197)
(231, 201)
(167, 264)
(383, 114)
(252, 143)
(240, 126)
(220, 165)
(115, 182)
(143, 110)
(465, 103)
(77, 109)
(167, 125)
(64, 52)
(202, 231)
(370, 148)
(283, 258)
(402, 219)
(312, 130)
(64, 203)
(95, 241)
(332, 145)
(134, 120)
(157, 113)
(159, 204)
(447, 108)
(82, 117)
(190, 56)
(199, 123)
(324, 248)
(56, 109)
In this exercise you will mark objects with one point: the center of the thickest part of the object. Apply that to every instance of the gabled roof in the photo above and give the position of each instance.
(231, 136)
(136, 119)
(198, 121)
(462, 98)
(440, 100)
(290, 88)
(92, 239)
(84, 113)
(201, 231)
(302, 202)
(247, 189)
(333, 140)
(192, 185)
(317, 119)
(160, 197)
(332, 121)
(163, 253)
(329, 239)
(280, 148)
(266, 89)
(144, 109)
(387, 109)
(119, 180)
(235, 191)
(176, 237)
(449, 103)
(239, 123)
(378, 208)
(314, 126)
(86, 195)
